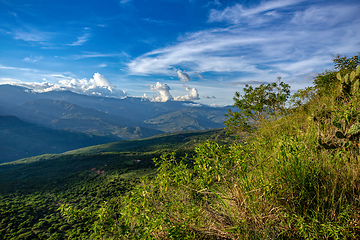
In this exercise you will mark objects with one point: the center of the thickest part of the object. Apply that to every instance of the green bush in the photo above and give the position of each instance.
(298, 177)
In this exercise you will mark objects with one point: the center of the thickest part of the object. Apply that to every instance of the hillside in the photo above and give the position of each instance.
(32, 189)
(19, 139)
(296, 177)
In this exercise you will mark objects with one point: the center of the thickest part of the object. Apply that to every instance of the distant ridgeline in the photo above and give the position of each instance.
(99, 119)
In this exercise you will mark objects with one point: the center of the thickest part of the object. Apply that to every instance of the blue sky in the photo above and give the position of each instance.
(172, 49)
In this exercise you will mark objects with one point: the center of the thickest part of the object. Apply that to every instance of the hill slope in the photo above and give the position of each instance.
(19, 139)
(33, 189)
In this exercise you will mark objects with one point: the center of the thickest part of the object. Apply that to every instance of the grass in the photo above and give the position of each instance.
(33, 189)
(298, 177)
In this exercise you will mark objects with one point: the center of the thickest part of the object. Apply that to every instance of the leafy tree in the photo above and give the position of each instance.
(257, 104)
(326, 81)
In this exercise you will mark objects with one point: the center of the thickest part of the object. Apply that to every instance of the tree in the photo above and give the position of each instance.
(267, 101)
(326, 81)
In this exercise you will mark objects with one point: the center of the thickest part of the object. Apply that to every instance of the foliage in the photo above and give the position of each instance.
(32, 190)
(257, 104)
(325, 82)
(298, 178)
(344, 64)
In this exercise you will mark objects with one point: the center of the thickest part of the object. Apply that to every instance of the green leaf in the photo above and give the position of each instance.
(352, 76)
(354, 129)
(346, 79)
(338, 76)
(355, 87)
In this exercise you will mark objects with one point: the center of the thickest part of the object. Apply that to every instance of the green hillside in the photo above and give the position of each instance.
(19, 139)
(32, 189)
(297, 177)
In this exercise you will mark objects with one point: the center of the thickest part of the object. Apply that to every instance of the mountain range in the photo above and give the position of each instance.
(94, 118)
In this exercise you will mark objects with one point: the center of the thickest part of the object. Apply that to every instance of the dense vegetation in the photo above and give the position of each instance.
(33, 189)
(297, 177)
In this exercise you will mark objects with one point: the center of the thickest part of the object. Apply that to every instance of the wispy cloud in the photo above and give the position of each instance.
(100, 55)
(32, 36)
(81, 40)
(17, 68)
(238, 14)
(284, 42)
(32, 59)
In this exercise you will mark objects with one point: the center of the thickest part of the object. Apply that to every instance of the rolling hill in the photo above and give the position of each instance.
(32, 189)
(19, 139)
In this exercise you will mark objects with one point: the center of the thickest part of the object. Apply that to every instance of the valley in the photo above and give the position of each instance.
(33, 189)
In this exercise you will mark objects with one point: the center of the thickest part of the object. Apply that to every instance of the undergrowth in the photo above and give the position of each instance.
(297, 177)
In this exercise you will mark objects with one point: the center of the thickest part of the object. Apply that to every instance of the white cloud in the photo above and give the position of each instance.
(32, 59)
(100, 55)
(98, 85)
(32, 36)
(102, 65)
(16, 68)
(203, 51)
(162, 91)
(285, 42)
(193, 94)
(81, 40)
(326, 16)
(99, 80)
(264, 12)
(183, 76)
(192, 104)
(163, 94)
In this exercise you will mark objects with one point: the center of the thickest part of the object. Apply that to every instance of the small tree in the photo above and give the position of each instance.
(267, 101)
(326, 81)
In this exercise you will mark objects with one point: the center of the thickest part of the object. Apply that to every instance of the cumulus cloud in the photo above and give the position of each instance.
(162, 91)
(192, 104)
(163, 94)
(193, 94)
(99, 80)
(98, 86)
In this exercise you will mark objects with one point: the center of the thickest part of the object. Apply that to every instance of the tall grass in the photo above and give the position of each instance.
(297, 177)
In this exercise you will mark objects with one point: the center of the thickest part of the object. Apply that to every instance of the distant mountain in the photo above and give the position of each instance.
(189, 118)
(63, 115)
(19, 139)
(128, 118)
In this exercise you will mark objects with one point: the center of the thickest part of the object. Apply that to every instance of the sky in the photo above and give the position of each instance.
(172, 50)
